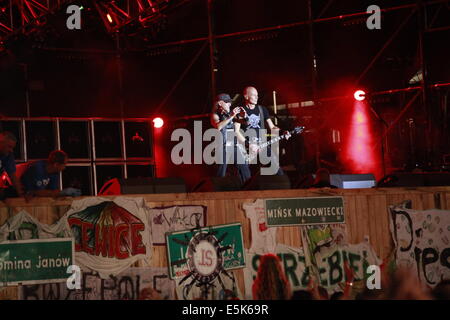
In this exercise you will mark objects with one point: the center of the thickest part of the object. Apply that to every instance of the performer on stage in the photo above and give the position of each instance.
(258, 118)
(222, 119)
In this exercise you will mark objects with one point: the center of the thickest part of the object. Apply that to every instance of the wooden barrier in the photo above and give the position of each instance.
(366, 212)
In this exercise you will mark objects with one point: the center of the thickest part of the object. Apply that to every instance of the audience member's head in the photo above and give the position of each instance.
(149, 294)
(271, 282)
(337, 296)
(405, 285)
(442, 290)
(302, 295)
(323, 293)
(370, 294)
(7, 143)
(57, 161)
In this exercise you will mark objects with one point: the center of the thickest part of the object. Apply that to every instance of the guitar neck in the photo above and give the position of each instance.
(268, 143)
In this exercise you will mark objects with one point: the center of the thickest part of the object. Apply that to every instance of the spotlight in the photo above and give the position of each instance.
(109, 18)
(158, 122)
(360, 95)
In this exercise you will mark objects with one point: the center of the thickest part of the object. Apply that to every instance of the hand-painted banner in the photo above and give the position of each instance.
(330, 266)
(22, 226)
(318, 236)
(109, 235)
(125, 286)
(205, 252)
(264, 239)
(225, 288)
(304, 211)
(422, 241)
(175, 218)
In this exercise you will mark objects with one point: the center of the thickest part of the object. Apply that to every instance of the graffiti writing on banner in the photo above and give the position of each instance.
(331, 272)
(175, 218)
(125, 286)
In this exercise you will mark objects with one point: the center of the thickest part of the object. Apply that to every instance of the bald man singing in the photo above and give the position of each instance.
(257, 119)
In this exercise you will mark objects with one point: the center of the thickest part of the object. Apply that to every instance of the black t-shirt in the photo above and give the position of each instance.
(230, 126)
(253, 121)
(223, 116)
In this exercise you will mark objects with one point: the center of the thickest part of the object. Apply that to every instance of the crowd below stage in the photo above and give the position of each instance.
(400, 284)
(272, 284)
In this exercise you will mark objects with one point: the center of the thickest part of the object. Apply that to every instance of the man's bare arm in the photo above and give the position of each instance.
(237, 130)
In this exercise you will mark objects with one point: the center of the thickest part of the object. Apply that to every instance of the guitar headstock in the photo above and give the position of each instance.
(298, 130)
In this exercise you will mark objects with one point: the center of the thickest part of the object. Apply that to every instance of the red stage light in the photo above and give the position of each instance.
(109, 18)
(360, 95)
(158, 122)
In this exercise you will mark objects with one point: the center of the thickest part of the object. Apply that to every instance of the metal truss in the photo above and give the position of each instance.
(27, 16)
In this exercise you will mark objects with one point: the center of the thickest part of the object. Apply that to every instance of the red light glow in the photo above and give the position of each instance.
(360, 155)
(360, 95)
(158, 122)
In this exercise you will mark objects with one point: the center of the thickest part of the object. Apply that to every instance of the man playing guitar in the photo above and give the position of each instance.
(257, 118)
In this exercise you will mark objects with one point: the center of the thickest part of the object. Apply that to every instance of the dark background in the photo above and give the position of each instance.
(77, 73)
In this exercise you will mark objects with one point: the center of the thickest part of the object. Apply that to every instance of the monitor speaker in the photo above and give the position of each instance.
(353, 181)
(268, 183)
(415, 180)
(143, 186)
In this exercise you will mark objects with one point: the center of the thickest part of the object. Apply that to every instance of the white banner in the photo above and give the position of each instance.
(264, 239)
(22, 226)
(110, 235)
(422, 242)
(175, 218)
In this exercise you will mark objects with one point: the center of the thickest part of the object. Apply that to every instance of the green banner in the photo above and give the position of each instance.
(35, 261)
(304, 211)
(224, 241)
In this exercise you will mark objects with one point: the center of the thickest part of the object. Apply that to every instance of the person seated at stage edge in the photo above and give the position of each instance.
(322, 179)
(9, 185)
(41, 178)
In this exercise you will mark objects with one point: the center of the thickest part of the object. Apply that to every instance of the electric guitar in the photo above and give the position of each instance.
(250, 157)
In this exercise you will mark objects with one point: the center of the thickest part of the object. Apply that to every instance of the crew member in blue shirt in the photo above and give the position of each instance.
(10, 184)
(41, 178)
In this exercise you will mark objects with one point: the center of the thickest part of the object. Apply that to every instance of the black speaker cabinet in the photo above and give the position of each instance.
(15, 127)
(268, 183)
(41, 138)
(106, 172)
(108, 139)
(138, 140)
(218, 184)
(152, 185)
(74, 137)
(78, 176)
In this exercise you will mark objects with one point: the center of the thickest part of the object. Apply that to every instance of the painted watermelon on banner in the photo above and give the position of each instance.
(109, 235)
